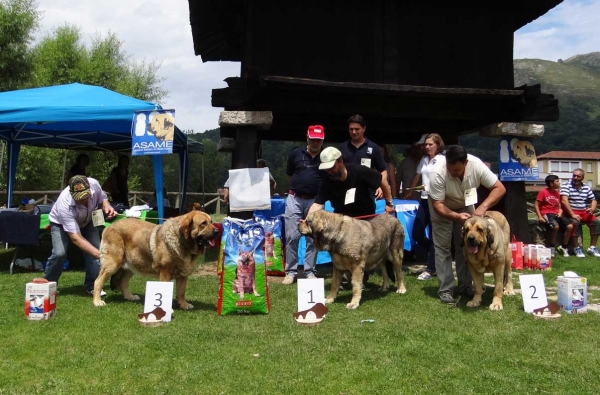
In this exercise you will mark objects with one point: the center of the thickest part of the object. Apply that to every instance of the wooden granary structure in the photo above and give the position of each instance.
(409, 67)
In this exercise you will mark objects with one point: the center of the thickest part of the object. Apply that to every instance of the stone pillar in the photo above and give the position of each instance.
(247, 125)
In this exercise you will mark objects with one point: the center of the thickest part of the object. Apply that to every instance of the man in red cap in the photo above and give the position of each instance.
(303, 174)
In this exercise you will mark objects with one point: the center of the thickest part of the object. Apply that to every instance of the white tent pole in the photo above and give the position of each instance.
(64, 172)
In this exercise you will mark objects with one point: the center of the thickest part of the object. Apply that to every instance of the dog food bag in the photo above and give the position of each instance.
(225, 231)
(541, 258)
(244, 287)
(274, 251)
(517, 253)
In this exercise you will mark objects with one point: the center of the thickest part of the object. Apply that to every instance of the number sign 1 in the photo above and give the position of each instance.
(310, 292)
(533, 291)
(159, 294)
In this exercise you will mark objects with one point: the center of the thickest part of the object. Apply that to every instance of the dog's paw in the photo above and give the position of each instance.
(256, 294)
(401, 290)
(384, 289)
(495, 306)
(186, 306)
(329, 300)
(99, 303)
(473, 303)
(509, 292)
(352, 306)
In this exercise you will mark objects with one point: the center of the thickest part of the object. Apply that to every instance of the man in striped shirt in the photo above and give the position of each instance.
(574, 196)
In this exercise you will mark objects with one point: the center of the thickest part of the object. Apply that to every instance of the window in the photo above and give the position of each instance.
(564, 166)
(589, 168)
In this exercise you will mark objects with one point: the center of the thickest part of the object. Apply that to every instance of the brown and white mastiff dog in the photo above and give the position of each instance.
(486, 246)
(357, 245)
(131, 246)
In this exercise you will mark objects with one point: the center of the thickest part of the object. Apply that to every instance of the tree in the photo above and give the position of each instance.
(18, 21)
(62, 58)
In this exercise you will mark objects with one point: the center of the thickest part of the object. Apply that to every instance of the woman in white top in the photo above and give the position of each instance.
(434, 146)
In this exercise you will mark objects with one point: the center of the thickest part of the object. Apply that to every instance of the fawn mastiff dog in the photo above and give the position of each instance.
(486, 246)
(131, 246)
(357, 245)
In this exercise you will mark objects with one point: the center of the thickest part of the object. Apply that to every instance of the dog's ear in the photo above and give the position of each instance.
(185, 226)
(489, 235)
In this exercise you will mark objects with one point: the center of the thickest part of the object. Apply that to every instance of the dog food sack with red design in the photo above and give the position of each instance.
(244, 287)
(274, 255)
(226, 225)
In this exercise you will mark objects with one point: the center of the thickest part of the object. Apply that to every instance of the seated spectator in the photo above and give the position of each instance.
(574, 195)
(153, 203)
(549, 212)
(78, 169)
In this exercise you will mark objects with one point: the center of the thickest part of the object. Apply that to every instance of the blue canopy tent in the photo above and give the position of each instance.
(78, 117)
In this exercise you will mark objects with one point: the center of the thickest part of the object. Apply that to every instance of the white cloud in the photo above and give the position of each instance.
(155, 31)
(571, 28)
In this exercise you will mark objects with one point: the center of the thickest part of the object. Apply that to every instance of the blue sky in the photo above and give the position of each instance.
(158, 30)
(571, 28)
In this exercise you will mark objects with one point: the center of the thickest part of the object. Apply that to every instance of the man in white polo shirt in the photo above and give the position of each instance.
(71, 221)
(452, 195)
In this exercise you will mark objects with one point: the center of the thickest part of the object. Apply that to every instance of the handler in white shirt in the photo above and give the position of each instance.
(71, 221)
(453, 187)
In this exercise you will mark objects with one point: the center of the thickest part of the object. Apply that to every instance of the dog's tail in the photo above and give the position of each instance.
(116, 279)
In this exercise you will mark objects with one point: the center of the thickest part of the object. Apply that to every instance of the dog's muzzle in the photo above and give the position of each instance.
(210, 240)
(472, 245)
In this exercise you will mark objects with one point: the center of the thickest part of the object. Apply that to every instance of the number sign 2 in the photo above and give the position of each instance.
(533, 291)
(310, 292)
(159, 294)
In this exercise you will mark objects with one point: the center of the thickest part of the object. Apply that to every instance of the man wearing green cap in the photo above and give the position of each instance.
(71, 221)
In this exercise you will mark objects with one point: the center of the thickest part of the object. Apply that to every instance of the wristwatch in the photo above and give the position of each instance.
(389, 203)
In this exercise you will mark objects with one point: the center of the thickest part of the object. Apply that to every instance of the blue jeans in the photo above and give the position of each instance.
(295, 210)
(60, 243)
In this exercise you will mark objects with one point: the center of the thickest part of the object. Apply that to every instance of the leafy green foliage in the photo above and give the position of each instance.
(18, 22)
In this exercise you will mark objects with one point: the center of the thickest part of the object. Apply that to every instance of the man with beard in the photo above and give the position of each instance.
(302, 171)
(348, 186)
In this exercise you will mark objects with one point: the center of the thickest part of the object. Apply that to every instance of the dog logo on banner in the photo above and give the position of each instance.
(518, 161)
(153, 132)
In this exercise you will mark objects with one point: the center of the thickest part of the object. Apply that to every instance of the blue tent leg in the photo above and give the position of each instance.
(157, 161)
(12, 158)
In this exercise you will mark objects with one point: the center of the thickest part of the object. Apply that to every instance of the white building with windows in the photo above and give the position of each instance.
(562, 164)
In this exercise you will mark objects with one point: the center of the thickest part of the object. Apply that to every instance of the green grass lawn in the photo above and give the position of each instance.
(415, 345)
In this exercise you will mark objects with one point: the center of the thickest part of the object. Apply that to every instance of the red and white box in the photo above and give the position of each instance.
(40, 299)
(541, 258)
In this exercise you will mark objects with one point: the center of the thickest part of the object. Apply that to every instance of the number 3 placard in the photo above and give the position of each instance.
(533, 291)
(310, 292)
(159, 294)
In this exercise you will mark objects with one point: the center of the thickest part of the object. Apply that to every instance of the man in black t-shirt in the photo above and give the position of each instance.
(362, 151)
(303, 173)
(348, 187)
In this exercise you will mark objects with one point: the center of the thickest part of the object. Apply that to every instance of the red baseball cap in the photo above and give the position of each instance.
(316, 132)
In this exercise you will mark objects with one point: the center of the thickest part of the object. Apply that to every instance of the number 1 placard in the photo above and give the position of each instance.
(159, 294)
(310, 292)
(533, 291)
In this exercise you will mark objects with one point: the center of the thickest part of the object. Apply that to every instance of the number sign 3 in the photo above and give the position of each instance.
(159, 294)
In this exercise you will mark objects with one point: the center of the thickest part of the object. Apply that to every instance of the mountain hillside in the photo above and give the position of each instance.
(575, 82)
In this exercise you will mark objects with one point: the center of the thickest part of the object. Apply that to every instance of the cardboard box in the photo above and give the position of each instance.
(40, 299)
(572, 294)
(541, 258)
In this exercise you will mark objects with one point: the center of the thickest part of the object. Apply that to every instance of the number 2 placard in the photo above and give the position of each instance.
(533, 291)
(310, 292)
(159, 294)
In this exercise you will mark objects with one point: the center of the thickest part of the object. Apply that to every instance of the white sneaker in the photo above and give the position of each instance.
(311, 276)
(592, 250)
(102, 293)
(578, 252)
(288, 280)
(562, 251)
